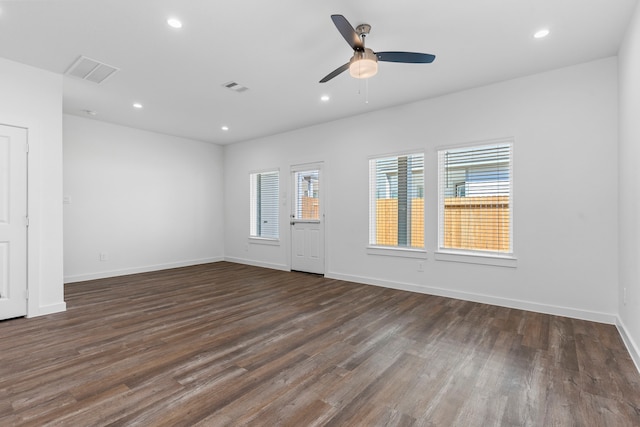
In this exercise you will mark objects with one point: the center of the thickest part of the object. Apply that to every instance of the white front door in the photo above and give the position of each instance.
(307, 219)
(13, 222)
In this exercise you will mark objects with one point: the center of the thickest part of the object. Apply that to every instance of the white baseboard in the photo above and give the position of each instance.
(632, 346)
(254, 263)
(593, 316)
(135, 270)
(49, 309)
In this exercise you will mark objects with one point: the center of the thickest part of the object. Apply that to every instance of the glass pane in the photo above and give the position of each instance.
(307, 197)
(397, 212)
(476, 198)
(264, 204)
(268, 214)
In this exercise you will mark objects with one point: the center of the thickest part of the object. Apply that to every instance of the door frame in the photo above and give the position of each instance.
(28, 252)
(320, 165)
(35, 232)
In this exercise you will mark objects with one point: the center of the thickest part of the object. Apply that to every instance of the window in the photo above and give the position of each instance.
(307, 197)
(264, 188)
(475, 198)
(396, 212)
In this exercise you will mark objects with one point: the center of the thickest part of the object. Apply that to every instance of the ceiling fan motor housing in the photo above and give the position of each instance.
(363, 30)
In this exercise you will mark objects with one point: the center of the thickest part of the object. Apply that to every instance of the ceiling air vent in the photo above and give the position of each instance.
(89, 69)
(235, 87)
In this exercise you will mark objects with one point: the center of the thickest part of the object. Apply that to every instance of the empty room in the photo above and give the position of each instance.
(416, 213)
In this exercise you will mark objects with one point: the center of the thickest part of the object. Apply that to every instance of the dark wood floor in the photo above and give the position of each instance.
(226, 344)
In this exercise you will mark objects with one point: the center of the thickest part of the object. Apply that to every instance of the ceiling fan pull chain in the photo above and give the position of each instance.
(366, 89)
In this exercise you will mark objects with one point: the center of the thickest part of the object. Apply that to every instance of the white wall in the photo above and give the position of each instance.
(149, 201)
(564, 124)
(32, 98)
(629, 209)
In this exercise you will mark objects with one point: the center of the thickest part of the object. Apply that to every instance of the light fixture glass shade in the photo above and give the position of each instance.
(363, 64)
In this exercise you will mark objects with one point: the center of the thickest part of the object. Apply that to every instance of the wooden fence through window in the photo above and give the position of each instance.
(475, 223)
(310, 208)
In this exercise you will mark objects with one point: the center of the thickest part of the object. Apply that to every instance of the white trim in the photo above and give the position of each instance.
(632, 346)
(456, 145)
(417, 150)
(477, 258)
(49, 309)
(136, 270)
(267, 170)
(397, 252)
(254, 263)
(263, 241)
(594, 316)
(303, 167)
(36, 281)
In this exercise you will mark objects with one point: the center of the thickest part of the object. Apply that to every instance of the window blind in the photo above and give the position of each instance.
(475, 198)
(396, 213)
(307, 197)
(264, 204)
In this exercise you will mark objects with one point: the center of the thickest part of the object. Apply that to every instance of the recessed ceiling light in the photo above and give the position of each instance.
(324, 98)
(137, 105)
(174, 23)
(544, 32)
(225, 128)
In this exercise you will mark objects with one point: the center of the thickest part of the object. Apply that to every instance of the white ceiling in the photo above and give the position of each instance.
(280, 49)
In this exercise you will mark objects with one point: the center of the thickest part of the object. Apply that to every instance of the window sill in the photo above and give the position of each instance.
(397, 252)
(477, 258)
(264, 241)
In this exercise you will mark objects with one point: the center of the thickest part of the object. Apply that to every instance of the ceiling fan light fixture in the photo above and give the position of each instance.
(363, 64)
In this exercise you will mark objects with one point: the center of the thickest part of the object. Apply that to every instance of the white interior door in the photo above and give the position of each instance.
(13, 222)
(307, 220)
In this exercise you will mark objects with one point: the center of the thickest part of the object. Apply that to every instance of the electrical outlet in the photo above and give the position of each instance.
(104, 256)
(420, 265)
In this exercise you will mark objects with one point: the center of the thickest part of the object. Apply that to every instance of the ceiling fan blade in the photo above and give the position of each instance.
(347, 31)
(335, 72)
(407, 57)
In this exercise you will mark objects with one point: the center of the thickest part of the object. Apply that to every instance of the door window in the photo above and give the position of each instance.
(307, 195)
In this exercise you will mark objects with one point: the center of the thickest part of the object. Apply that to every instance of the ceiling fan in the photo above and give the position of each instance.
(364, 62)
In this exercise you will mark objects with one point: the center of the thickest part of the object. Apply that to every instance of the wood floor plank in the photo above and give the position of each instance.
(225, 344)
